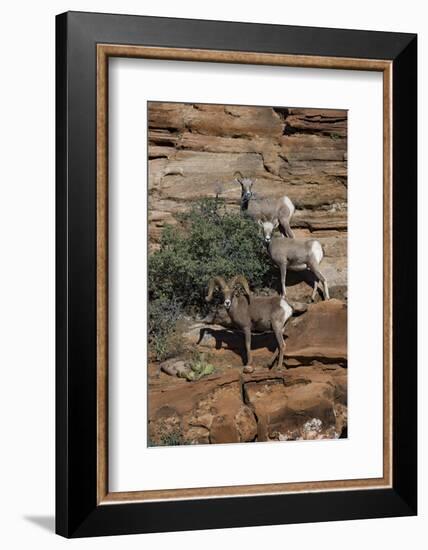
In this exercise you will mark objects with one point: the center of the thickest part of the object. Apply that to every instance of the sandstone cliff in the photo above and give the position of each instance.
(195, 149)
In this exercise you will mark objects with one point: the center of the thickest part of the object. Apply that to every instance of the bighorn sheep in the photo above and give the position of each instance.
(261, 209)
(253, 313)
(294, 254)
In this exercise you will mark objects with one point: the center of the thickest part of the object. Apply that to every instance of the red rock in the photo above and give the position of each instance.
(325, 121)
(223, 430)
(209, 410)
(321, 333)
(302, 403)
(194, 151)
(298, 403)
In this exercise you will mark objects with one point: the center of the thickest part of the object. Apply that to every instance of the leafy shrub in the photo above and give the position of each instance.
(212, 241)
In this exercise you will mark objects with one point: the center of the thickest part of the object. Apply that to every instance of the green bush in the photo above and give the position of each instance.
(211, 241)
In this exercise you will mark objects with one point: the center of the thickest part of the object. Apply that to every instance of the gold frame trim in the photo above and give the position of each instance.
(104, 51)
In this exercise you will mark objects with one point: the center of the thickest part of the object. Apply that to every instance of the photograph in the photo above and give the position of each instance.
(247, 273)
(213, 275)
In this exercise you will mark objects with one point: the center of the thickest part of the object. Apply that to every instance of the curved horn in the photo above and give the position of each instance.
(240, 280)
(237, 177)
(215, 281)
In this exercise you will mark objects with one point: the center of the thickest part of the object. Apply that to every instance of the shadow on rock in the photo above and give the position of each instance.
(234, 340)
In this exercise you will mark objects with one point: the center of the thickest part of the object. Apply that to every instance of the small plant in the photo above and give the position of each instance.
(172, 439)
(334, 136)
(198, 367)
(166, 432)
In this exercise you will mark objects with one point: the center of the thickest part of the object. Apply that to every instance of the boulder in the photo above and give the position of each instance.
(303, 403)
(321, 333)
(174, 367)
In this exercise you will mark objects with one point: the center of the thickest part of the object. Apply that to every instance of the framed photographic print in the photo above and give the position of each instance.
(236, 274)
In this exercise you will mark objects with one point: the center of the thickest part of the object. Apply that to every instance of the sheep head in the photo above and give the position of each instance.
(246, 187)
(228, 289)
(268, 227)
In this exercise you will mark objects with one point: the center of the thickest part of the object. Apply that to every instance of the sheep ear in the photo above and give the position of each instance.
(275, 224)
(261, 223)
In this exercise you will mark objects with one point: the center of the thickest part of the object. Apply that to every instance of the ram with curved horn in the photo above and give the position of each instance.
(252, 313)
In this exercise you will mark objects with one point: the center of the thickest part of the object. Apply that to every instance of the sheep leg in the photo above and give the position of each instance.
(247, 334)
(314, 267)
(314, 292)
(274, 356)
(281, 345)
(283, 269)
(285, 224)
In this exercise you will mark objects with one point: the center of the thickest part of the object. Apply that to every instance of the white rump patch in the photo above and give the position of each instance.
(289, 205)
(317, 250)
(288, 310)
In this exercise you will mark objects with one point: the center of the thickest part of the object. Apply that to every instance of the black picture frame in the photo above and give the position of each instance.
(77, 511)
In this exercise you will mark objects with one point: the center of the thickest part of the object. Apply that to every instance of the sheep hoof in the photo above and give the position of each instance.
(279, 367)
(248, 369)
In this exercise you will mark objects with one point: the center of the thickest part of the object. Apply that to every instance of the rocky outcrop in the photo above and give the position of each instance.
(304, 403)
(195, 149)
(320, 334)
(308, 400)
(232, 407)
(206, 411)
